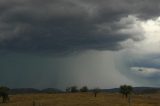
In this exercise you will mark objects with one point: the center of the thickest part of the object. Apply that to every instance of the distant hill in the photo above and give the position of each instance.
(51, 90)
(135, 90)
(146, 90)
(33, 90)
(23, 90)
(112, 90)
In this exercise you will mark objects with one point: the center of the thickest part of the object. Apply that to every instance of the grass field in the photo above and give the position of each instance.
(82, 99)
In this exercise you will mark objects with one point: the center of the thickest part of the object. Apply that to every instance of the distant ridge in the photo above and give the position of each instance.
(51, 90)
(33, 90)
(135, 90)
(23, 90)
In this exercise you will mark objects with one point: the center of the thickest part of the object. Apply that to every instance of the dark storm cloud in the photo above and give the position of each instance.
(62, 26)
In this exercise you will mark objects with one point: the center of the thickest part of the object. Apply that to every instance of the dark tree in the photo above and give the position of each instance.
(4, 94)
(74, 89)
(126, 90)
(68, 89)
(95, 91)
(84, 89)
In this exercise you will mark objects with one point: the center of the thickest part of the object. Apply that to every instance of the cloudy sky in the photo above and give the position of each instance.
(98, 43)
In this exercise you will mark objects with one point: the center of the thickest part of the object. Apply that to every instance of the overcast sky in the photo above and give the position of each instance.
(98, 43)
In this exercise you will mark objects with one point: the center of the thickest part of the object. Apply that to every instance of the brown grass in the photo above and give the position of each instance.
(82, 99)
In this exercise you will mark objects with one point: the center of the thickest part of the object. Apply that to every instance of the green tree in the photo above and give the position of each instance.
(126, 90)
(4, 93)
(84, 89)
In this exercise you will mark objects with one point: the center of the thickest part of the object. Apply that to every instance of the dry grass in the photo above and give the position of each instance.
(82, 99)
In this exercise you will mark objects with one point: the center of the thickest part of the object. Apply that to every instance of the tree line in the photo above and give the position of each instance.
(125, 90)
(75, 89)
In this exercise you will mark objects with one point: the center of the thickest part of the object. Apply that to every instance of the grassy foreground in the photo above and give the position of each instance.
(82, 99)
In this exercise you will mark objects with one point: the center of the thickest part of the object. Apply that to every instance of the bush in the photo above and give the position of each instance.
(84, 89)
(74, 89)
(4, 93)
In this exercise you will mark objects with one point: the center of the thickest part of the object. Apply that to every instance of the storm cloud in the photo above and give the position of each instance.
(76, 38)
(72, 25)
